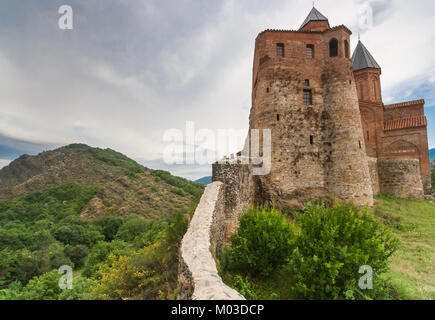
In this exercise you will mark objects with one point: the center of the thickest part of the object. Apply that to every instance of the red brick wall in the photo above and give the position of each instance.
(335, 162)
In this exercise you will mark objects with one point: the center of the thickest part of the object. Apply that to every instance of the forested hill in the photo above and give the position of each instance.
(117, 224)
(124, 186)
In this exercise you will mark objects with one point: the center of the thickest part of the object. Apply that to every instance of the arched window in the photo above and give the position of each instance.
(346, 49)
(333, 47)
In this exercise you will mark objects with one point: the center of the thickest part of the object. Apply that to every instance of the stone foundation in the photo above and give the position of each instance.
(373, 170)
(400, 177)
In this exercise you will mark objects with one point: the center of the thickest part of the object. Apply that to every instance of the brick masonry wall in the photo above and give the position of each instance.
(400, 177)
(317, 150)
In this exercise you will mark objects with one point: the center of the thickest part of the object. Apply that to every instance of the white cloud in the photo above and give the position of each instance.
(4, 163)
(127, 72)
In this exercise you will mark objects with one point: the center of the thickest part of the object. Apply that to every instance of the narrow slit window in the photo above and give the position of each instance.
(346, 49)
(310, 51)
(308, 97)
(360, 144)
(311, 140)
(277, 117)
(280, 50)
(368, 136)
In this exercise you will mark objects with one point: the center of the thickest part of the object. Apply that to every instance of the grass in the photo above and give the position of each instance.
(277, 286)
(413, 265)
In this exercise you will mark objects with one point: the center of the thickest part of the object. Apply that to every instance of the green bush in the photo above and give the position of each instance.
(44, 287)
(77, 254)
(178, 191)
(333, 243)
(263, 242)
(99, 253)
(245, 288)
(132, 228)
(109, 226)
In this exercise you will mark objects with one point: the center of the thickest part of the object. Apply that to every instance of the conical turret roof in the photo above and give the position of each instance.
(314, 15)
(362, 58)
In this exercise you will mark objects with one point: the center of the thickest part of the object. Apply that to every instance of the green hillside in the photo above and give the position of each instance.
(116, 223)
(125, 187)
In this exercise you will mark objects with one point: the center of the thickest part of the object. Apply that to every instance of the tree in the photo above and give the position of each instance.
(44, 287)
(77, 254)
(109, 226)
(132, 228)
(100, 253)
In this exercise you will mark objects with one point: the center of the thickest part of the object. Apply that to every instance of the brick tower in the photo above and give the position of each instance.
(304, 91)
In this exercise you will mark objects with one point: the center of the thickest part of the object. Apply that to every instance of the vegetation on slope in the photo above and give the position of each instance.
(329, 247)
(118, 224)
(125, 187)
(412, 270)
(114, 257)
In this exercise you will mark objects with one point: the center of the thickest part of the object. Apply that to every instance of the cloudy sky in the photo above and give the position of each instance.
(131, 70)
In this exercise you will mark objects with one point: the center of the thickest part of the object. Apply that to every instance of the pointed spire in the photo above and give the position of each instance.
(314, 15)
(362, 58)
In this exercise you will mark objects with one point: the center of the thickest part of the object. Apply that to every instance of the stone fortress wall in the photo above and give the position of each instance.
(198, 276)
(342, 143)
(215, 220)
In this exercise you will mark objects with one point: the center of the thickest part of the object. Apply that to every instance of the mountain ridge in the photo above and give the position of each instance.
(126, 187)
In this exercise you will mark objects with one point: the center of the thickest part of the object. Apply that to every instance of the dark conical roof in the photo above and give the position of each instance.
(362, 58)
(314, 15)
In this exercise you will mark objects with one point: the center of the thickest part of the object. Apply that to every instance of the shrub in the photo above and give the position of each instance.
(332, 245)
(263, 242)
(44, 287)
(99, 253)
(77, 254)
(178, 191)
(132, 228)
(245, 288)
(109, 226)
